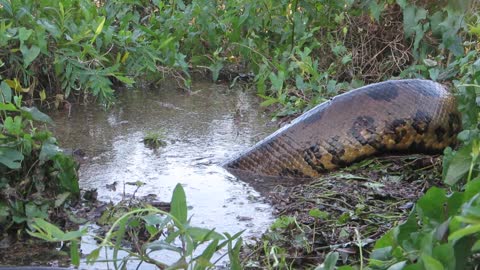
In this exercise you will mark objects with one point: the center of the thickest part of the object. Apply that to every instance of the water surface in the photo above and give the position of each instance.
(202, 130)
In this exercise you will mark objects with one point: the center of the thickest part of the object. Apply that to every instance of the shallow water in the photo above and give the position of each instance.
(202, 130)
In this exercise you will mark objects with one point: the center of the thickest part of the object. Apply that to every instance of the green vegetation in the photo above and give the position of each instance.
(154, 140)
(150, 230)
(35, 175)
(53, 53)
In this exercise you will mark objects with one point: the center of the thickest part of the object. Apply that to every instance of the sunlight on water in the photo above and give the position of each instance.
(202, 130)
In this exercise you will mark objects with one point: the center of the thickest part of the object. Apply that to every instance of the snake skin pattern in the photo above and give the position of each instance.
(414, 116)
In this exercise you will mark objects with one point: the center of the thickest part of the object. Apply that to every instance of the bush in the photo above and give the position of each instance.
(35, 175)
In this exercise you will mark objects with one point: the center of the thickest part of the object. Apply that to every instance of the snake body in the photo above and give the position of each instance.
(417, 116)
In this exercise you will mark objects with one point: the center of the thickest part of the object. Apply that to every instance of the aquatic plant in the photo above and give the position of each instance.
(154, 140)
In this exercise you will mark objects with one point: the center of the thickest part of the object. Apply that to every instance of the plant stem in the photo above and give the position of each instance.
(359, 243)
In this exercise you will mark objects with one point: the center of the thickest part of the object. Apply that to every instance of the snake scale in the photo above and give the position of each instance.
(417, 116)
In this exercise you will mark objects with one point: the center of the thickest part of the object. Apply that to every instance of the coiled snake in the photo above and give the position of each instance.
(416, 116)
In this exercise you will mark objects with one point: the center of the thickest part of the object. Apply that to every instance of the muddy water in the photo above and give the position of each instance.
(202, 129)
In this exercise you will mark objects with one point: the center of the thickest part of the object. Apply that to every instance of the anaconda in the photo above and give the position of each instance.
(418, 116)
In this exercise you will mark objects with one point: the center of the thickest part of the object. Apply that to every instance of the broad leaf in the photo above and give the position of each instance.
(431, 263)
(398, 266)
(48, 151)
(458, 165)
(330, 262)
(24, 33)
(5, 92)
(178, 205)
(471, 229)
(8, 107)
(29, 54)
(10, 158)
(33, 113)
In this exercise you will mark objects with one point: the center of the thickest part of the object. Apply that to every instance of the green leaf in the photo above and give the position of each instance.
(11, 158)
(6, 6)
(74, 253)
(165, 43)
(93, 256)
(178, 204)
(125, 79)
(156, 220)
(346, 59)
(29, 54)
(50, 27)
(268, 101)
(5, 92)
(316, 213)
(434, 72)
(472, 188)
(398, 266)
(120, 233)
(430, 263)
(201, 234)
(234, 255)
(33, 113)
(411, 17)
(13, 125)
(99, 29)
(48, 151)
(386, 241)
(67, 173)
(46, 231)
(376, 9)
(445, 253)
(8, 107)
(24, 33)
(459, 165)
(277, 80)
(162, 245)
(382, 254)
(476, 246)
(471, 229)
(34, 211)
(215, 69)
(330, 261)
(430, 204)
(402, 3)
(203, 261)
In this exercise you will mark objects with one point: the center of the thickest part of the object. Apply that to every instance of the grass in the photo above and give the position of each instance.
(154, 140)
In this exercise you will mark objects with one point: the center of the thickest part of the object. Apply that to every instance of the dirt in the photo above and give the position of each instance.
(342, 211)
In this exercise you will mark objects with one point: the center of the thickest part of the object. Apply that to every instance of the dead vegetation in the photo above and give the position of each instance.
(344, 211)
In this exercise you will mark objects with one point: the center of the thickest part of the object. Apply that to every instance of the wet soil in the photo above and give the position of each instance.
(342, 211)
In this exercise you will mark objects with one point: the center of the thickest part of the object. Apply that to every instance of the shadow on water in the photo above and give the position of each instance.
(202, 130)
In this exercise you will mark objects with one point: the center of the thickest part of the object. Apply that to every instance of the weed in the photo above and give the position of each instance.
(35, 176)
(154, 140)
(164, 231)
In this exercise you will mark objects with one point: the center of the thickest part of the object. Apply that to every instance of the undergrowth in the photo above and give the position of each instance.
(301, 52)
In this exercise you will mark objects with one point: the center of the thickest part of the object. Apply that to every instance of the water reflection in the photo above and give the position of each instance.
(203, 129)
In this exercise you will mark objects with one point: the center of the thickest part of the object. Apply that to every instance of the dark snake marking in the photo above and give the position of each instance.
(388, 94)
(421, 121)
